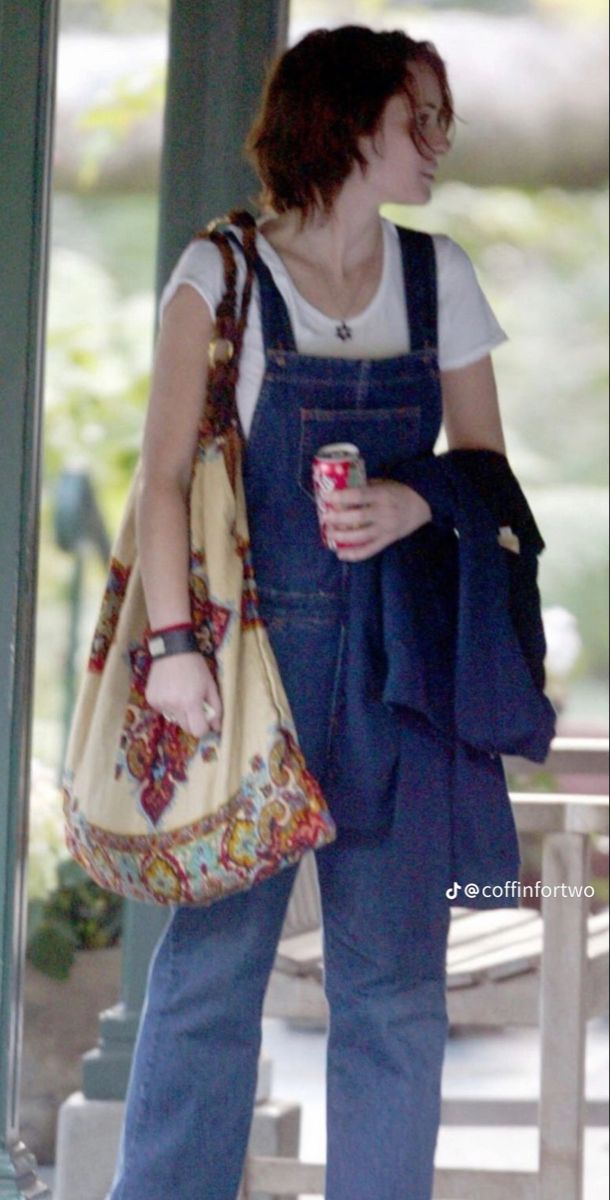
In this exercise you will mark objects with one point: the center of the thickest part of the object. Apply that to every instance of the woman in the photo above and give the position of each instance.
(336, 349)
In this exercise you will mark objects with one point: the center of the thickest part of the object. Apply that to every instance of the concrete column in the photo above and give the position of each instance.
(28, 41)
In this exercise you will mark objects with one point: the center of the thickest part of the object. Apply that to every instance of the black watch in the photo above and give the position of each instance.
(175, 641)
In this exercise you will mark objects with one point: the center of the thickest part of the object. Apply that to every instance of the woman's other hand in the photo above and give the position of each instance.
(182, 688)
(364, 520)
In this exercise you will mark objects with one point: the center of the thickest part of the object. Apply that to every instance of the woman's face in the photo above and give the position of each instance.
(397, 170)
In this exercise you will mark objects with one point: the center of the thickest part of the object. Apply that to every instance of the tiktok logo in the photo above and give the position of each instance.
(452, 893)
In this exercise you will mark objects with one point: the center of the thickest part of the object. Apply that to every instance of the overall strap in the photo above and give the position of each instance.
(278, 333)
(420, 275)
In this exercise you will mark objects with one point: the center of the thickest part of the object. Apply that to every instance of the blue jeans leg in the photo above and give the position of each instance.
(386, 923)
(191, 1093)
(386, 920)
(384, 1071)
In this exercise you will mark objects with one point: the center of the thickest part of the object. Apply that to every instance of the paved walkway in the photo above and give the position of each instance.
(497, 1064)
(502, 1064)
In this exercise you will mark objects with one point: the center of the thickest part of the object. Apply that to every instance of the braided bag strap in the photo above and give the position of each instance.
(230, 323)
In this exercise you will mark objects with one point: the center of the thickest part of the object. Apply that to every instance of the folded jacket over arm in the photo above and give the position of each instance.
(445, 627)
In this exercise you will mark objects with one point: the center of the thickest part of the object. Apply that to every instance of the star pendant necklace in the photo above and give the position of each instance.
(343, 330)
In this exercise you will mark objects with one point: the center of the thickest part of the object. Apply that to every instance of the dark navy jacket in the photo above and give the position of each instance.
(460, 646)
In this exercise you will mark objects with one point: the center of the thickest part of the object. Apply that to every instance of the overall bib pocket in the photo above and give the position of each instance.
(384, 436)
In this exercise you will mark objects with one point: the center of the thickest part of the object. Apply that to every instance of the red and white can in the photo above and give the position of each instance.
(335, 468)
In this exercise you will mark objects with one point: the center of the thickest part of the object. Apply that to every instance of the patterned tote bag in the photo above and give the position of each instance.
(152, 812)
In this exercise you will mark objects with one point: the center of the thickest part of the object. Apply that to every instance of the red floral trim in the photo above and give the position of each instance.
(112, 604)
(250, 613)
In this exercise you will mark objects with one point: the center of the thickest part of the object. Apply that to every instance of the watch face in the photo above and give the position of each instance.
(156, 646)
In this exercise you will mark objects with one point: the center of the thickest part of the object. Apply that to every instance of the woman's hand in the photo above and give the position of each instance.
(181, 687)
(364, 520)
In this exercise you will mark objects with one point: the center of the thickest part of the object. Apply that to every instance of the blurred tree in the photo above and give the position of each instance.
(541, 255)
(98, 366)
(598, 9)
(494, 8)
(115, 16)
(148, 15)
(523, 120)
(358, 9)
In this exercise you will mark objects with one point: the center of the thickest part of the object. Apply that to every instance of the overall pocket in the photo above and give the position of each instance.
(384, 436)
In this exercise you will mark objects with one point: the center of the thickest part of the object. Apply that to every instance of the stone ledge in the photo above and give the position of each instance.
(89, 1132)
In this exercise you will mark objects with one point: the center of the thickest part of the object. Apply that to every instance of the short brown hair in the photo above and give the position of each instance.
(320, 98)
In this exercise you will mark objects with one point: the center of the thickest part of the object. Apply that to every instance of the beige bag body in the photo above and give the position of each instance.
(151, 811)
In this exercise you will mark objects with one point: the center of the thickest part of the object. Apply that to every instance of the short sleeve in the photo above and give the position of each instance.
(468, 328)
(201, 266)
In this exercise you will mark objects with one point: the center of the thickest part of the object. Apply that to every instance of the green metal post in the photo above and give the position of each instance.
(28, 40)
(219, 52)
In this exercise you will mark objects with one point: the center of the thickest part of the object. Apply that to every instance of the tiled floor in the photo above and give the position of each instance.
(478, 1064)
(502, 1064)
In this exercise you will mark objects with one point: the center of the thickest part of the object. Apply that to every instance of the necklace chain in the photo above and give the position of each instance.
(343, 329)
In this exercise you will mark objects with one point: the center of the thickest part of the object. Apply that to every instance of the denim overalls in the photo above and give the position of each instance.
(386, 915)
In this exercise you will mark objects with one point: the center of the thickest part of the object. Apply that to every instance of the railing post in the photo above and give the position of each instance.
(562, 1087)
(28, 41)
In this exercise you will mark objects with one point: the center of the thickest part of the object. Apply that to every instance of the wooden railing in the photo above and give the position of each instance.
(570, 986)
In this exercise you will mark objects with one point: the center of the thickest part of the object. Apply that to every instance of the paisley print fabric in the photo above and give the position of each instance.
(263, 827)
(152, 812)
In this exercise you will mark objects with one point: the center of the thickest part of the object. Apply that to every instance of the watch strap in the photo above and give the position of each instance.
(168, 642)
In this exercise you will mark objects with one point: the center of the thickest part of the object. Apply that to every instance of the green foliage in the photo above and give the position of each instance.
(77, 915)
(109, 123)
(46, 843)
(361, 10)
(574, 568)
(147, 16)
(116, 233)
(51, 943)
(98, 367)
(575, 9)
(542, 261)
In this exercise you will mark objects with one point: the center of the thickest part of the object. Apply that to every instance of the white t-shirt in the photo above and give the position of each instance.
(468, 329)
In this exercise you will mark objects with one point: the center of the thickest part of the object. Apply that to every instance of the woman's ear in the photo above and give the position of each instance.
(372, 147)
(366, 148)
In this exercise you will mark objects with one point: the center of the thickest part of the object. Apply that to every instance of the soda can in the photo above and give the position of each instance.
(335, 467)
